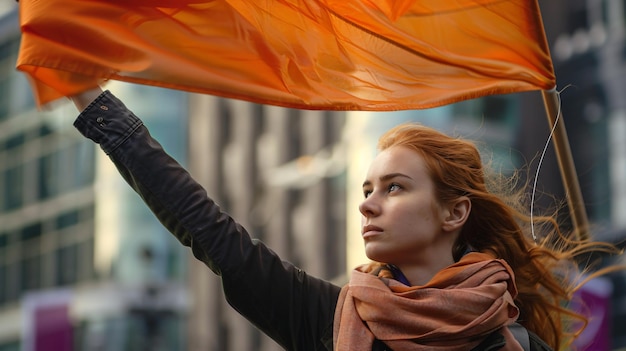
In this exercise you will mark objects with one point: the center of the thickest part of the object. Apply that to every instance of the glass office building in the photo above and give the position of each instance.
(80, 255)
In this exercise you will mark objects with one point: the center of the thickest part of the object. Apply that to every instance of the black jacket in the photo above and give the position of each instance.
(293, 308)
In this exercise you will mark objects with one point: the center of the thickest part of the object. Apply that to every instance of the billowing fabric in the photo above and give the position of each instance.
(310, 54)
(456, 310)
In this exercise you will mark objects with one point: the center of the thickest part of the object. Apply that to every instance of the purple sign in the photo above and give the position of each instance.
(593, 301)
(53, 329)
(47, 324)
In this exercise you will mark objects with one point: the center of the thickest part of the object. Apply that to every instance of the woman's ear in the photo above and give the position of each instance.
(458, 212)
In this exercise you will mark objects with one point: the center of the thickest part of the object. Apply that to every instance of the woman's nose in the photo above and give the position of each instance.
(369, 207)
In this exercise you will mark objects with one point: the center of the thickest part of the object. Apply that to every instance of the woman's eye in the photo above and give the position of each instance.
(393, 187)
(367, 193)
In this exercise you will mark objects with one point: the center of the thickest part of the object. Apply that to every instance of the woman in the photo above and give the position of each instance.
(452, 268)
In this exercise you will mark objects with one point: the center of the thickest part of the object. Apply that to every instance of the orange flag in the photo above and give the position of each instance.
(309, 54)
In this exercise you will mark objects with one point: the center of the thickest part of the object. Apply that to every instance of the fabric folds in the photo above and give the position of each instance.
(320, 54)
(456, 310)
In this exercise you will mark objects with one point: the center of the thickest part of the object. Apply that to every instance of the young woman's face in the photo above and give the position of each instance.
(402, 219)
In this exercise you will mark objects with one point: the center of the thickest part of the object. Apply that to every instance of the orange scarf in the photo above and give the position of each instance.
(456, 310)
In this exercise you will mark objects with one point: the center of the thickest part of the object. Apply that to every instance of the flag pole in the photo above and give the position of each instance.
(566, 164)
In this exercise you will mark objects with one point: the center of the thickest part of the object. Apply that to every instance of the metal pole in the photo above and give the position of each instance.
(566, 164)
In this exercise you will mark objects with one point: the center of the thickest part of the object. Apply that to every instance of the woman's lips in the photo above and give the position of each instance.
(370, 230)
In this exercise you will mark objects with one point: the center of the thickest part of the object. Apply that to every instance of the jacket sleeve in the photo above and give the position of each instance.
(294, 309)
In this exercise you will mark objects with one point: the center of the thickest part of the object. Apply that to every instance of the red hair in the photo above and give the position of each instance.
(499, 224)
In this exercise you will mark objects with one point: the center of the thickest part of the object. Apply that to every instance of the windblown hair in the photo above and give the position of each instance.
(546, 272)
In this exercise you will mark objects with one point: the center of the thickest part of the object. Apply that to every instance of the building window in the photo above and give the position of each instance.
(4, 241)
(488, 110)
(67, 219)
(13, 187)
(30, 266)
(613, 14)
(83, 165)
(578, 16)
(3, 283)
(15, 92)
(67, 264)
(48, 175)
(30, 273)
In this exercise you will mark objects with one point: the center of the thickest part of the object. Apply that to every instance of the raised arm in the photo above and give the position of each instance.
(293, 308)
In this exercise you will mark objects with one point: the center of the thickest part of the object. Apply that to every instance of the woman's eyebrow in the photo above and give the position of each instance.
(387, 177)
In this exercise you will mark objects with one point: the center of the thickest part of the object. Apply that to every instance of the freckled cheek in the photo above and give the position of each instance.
(406, 216)
(419, 215)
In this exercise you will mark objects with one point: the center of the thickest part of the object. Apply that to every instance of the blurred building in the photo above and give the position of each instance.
(80, 252)
(587, 39)
(83, 264)
(280, 173)
(46, 201)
